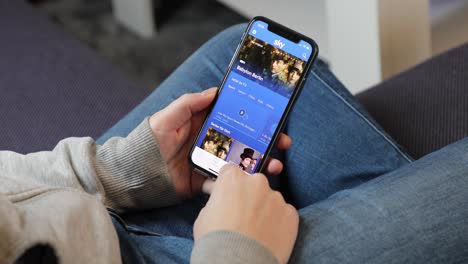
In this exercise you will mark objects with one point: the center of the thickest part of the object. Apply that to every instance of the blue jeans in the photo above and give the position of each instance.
(360, 197)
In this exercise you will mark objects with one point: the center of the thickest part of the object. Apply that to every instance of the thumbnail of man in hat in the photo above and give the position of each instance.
(246, 158)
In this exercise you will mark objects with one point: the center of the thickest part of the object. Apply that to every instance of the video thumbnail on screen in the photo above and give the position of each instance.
(232, 151)
(216, 143)
(269, 66)
(243, 156)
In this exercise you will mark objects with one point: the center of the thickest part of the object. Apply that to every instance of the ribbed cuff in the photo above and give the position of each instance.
(133, 172)
(230, 247)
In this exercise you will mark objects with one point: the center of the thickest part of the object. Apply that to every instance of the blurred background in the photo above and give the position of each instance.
(363, 41)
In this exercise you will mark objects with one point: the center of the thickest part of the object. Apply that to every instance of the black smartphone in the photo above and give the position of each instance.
(264, 79)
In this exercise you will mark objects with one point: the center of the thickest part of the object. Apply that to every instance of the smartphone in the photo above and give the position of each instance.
(264, 79)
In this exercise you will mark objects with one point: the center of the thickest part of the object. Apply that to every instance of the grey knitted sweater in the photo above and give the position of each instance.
(59, 198)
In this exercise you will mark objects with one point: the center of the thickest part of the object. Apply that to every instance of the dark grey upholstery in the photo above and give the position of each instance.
(425, 108)
(52, 86)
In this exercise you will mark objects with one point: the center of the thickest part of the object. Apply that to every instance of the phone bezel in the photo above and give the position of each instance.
(286, 33)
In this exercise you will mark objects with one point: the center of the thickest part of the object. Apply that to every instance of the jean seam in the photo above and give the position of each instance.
(364, 118)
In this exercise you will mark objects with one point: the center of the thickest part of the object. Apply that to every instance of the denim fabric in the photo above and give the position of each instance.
(415, 214)
(336, 147)
(142, 246)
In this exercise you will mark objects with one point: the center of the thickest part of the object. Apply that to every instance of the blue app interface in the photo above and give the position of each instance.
(252, 100)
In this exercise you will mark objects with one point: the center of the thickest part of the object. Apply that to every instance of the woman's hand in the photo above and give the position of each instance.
(246, 204)
(175, 128)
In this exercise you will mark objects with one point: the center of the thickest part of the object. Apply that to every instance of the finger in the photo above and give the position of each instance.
(186, 106)
(183, 132)
(208, 186)
(284, 142)
(230, 169)
(274, 166)
(229, 177)
(197, 102)
(229, 173)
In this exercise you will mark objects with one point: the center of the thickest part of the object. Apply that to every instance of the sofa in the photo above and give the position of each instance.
(53, 86)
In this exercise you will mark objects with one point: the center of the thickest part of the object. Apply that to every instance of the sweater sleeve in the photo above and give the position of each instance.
(124, 173)
(230, 248)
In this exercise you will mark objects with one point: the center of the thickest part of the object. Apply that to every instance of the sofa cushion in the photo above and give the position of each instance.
(425, 108)
(53, 86)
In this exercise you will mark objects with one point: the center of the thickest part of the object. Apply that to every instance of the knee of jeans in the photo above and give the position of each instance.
(322, 64)
(228, 39)
(219, 49)
(235, 30)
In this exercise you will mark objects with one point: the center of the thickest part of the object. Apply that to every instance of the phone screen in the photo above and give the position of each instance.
(252, 100)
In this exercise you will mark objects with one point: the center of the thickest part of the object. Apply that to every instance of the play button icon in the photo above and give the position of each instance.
(243, 114)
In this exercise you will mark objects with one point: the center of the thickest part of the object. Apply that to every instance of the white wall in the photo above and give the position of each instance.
(353, 30)
(372, 40)
(365, 41)
(405, 34)
(305, 16)
(137, 15)
(449, 19)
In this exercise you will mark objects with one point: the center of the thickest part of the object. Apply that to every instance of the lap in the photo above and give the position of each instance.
(416, 214)
(141, 246)
(336, 145)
